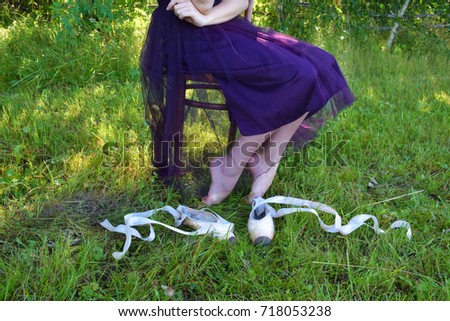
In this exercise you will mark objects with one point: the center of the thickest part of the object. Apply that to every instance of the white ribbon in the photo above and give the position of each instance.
(312, 207)
(220, 228)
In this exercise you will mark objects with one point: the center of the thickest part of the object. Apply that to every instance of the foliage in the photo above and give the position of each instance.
(302, 19)
(11, 9)
(41, 56)
(44, 7)
(359, 18)
(77, 15)
(73, 15)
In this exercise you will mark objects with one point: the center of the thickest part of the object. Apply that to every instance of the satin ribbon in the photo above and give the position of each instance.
(221, 227)
(312, 207)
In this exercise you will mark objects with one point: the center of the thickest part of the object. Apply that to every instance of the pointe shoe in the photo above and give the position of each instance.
(206, 223)
(260, 225)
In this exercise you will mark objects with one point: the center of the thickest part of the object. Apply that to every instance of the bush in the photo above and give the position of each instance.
(300, 18)
(72, 14)
(359, 18)
(38, 56)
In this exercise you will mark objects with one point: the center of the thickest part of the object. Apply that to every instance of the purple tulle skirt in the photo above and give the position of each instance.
(268, 79)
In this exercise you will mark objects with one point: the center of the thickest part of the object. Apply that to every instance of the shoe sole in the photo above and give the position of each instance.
(262, 241)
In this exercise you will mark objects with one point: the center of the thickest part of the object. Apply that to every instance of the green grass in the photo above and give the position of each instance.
(63, 101)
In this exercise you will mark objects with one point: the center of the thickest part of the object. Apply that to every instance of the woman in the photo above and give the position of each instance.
(272, 84)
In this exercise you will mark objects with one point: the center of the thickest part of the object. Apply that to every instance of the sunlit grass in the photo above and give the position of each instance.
(75, 149)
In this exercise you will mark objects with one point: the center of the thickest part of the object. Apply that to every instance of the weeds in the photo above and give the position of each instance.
(62, 102)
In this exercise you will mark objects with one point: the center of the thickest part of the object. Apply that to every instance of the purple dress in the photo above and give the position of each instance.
(268, 79)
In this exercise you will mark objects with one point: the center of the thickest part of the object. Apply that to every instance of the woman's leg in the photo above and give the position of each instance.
(265, 161)
(226, 170)
(262, 162)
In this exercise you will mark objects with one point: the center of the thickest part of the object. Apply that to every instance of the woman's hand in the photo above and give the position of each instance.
(185, 10)
(224, 11)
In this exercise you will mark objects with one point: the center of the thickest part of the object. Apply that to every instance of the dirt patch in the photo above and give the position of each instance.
(91, 206)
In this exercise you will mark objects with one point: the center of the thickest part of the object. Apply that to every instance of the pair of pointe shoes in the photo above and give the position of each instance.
(202, 221)
(260, 223)
(261, 226)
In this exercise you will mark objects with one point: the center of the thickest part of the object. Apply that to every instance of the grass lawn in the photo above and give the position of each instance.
(75, 150)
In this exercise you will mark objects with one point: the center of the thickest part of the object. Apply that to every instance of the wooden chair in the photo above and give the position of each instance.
(204, 82)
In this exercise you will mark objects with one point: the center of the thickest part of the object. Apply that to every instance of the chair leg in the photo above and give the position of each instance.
(232, 134)
(178, 137)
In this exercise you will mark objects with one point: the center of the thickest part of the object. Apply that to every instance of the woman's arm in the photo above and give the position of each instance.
(224, 11)
(204, 6)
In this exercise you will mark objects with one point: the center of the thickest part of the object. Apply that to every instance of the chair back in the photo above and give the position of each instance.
(248, 13)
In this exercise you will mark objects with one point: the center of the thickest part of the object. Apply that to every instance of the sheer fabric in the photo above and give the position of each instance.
(268, 79)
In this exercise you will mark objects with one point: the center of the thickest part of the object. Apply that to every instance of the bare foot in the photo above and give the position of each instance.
(263, 173)
(223, 179)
